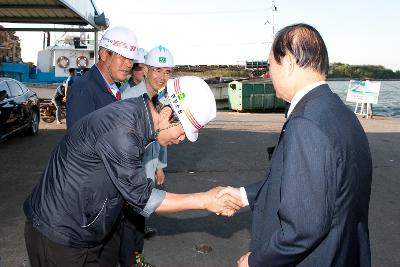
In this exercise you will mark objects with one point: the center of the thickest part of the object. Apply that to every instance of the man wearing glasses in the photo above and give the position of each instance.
(158, 63)
(97, 167)
(98, 88)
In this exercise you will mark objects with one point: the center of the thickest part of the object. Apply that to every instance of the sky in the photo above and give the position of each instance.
(233, 31)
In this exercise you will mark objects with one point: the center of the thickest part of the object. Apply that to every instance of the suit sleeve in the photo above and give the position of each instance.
(307, 196)
(251, 192)
(121, 153)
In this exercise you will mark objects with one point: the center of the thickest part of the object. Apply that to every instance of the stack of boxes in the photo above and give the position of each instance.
(10, 48)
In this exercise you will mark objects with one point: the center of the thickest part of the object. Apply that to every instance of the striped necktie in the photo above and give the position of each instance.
(118, 95)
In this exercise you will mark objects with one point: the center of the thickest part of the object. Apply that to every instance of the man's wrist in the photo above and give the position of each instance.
(201, 199)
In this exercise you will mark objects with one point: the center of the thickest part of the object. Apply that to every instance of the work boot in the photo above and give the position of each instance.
(149, 232)
(141, 262)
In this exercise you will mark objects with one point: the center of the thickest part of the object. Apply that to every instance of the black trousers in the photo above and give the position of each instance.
(125, 239)
(131, 236)
(43, 252)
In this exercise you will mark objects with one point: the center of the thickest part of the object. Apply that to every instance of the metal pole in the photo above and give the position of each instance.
(48, 38)
(96, 47)
(273, 22)
(274, 9)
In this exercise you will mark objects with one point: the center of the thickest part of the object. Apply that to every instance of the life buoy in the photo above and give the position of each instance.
(63, 62)
(82, 62)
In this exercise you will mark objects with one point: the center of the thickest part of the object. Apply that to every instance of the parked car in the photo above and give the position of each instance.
(19, 109)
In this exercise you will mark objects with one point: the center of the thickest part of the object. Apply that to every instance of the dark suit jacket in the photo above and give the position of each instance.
(86, 95)
(312, 208)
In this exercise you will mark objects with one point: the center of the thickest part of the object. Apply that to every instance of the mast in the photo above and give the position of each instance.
(272, 22)
(274, 9)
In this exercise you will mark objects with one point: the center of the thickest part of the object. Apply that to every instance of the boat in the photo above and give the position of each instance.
(53, 62)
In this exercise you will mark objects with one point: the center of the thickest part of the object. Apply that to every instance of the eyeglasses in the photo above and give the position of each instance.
(166, 128)
(160, 72)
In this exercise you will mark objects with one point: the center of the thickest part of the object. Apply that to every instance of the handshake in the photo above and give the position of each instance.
(222, 200)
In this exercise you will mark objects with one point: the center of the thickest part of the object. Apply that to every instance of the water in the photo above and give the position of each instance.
(388, 101)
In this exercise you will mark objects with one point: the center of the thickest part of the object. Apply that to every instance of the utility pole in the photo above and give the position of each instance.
(272, 22)
(274, 9)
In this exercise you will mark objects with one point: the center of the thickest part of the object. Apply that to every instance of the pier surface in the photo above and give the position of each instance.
(231, 150)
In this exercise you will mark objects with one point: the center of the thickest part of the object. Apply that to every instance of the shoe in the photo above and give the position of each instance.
(149, 232)
(141, 262)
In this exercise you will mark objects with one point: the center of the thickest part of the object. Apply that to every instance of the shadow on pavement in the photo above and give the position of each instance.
(212, 224)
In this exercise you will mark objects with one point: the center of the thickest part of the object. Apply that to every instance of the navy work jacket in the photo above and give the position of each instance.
(95, 168)
(86, 95)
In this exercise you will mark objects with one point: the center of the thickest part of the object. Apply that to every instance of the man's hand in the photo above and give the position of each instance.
(159, 176)
(226, 204)
(244, 260)
(232, 191)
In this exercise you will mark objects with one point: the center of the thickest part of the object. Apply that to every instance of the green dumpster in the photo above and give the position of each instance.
(253, 95)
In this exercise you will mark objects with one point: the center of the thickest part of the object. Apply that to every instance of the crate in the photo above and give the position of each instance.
(253, 95)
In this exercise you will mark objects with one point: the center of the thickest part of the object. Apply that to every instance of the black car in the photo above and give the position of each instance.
(19, 109)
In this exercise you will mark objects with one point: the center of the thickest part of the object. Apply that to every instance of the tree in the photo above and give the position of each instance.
(364, 72)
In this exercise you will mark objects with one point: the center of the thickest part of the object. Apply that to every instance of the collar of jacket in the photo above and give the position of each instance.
(316, 92)
(150, 133)
(101, 80)
(141, 88)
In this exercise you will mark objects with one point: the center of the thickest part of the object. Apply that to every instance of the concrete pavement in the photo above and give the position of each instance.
(231, 150)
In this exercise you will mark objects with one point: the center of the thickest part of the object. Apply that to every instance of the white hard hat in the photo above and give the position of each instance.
(120, 40)
(160, 57)
(193, 103)
(141, 56)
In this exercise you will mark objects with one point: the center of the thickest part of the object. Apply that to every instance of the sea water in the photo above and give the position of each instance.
(388, 100)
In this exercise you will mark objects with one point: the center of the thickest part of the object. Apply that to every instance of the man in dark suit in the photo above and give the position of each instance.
(312, 207)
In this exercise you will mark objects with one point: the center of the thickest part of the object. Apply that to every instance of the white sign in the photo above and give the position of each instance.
(363, 91)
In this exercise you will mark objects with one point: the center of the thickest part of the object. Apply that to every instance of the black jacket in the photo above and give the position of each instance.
(95, 167)
(59, 93)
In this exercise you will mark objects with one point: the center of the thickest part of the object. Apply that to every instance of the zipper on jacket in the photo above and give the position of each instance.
(97, 216)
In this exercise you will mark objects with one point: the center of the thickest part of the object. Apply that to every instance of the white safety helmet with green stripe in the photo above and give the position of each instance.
(193, 103)
(160, 57)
